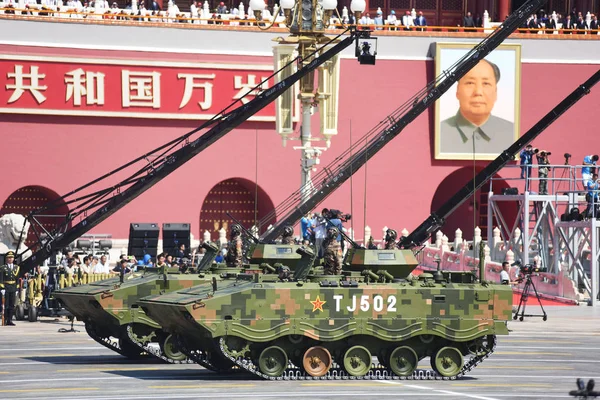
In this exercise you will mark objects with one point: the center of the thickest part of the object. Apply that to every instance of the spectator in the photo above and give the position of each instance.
(365, 20)
(594, 25)
(222, 9)
(320, 233)
(392, 20)
(371, 244)
(589, 163)
(306, 227)
(468, 21)
(66, 259)
(85, 267)
(148, 260)
(421, 21)
(102, 266)
(180, 252)
(592, 197)
(534, 24)
(122, 266)
(526, 156)
(568, 24)
(220, 258)
(169, 260)
(378, 21)
(407, 21)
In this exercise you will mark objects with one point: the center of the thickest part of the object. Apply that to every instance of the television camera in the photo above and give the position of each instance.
(527, 271)
(336, 214)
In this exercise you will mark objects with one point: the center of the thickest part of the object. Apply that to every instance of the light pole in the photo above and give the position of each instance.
(307, 21)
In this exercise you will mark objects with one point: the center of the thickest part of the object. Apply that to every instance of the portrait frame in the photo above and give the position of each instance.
(506, 109)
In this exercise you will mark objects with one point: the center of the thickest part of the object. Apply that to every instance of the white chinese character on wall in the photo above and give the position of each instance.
(246, 88)
(191, 84)
(141, 89)
(26, 82)
(88, 84)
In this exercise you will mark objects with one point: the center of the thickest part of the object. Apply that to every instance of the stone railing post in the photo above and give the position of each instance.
(222, 237)
(367, 234)
(457, 240)
(438, 239)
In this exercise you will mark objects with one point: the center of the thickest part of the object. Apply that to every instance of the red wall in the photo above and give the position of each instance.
(62, 153)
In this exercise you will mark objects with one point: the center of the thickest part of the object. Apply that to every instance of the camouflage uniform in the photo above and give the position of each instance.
(234, 257)
(332, 258)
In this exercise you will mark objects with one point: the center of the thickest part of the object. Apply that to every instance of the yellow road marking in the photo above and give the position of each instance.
(528, 353)
(343, 384)
(108, 369)
(523, 367)
(45, 390)
(38, 355)
(502, 385)
(201, 386)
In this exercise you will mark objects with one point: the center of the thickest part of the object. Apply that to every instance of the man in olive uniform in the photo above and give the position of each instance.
(332, 258)
(287, 237)
(390, 239)
(234, 257)
(9, 274)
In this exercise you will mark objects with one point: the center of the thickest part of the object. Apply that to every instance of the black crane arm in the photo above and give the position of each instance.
(340, 170)
(436, 219)
(221, 127)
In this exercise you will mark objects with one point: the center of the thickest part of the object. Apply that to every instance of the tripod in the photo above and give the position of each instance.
(525, 296)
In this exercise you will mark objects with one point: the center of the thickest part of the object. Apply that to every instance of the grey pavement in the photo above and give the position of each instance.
(538, 360)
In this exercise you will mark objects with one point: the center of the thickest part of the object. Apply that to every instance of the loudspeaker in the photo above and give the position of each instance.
(174, 235)
(143, 239)
(510, 191)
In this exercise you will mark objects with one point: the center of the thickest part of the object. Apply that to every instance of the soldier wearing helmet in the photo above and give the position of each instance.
(332, 258)
(234, 257)
(390, 239)
(287, 237)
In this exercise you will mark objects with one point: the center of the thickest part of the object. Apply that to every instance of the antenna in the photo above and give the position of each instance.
(351, 187)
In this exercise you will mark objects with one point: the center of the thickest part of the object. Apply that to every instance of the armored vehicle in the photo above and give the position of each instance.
(109, 307)
(309, 325)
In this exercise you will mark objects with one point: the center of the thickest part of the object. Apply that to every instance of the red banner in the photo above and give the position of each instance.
(124, 88)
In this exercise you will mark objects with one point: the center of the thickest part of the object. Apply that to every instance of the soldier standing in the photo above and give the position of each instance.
(332, 258)
(234, 251)
(390, 239)
(9, 274)
(287, 237)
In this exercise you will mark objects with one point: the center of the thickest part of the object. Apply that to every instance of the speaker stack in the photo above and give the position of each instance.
(143, 239)
(174, 235)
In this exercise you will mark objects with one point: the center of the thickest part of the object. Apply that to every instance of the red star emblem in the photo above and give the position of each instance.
(318, 304)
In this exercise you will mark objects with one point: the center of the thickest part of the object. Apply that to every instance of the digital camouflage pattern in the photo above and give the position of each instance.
(234, 257)
(332, 257)
(367, 305)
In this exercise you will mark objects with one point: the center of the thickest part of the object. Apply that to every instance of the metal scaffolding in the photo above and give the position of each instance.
(569, 248)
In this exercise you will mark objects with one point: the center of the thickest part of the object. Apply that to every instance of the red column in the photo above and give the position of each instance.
(503, 9)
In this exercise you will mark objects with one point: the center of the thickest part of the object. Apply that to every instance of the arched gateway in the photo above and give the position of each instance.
(242, 198)
(29, 198)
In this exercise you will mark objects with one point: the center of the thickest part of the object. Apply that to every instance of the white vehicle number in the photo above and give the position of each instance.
(365, 302)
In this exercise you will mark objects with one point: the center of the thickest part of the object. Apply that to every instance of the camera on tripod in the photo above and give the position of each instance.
(528, 269)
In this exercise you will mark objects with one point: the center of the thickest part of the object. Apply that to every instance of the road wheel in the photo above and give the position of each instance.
(273, 361)
(357, 361)
(317, 361)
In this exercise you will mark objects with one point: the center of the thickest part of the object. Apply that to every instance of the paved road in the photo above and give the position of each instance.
(539, 360)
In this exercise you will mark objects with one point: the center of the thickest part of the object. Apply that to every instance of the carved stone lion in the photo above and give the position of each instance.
(11, 226)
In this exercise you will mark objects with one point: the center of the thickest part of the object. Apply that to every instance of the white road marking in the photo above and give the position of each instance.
(439, 391)
(55, 348)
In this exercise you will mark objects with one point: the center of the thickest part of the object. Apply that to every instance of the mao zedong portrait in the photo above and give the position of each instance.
(477, 93)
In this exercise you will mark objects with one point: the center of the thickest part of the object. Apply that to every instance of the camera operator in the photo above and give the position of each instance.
(526, 156)
(366, 49)
(592, 197)
(543, 170)
(505, 275)
(335, 221)
(589, 167)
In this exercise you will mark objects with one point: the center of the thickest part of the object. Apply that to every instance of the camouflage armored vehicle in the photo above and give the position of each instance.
(109, 307)
(306, 325)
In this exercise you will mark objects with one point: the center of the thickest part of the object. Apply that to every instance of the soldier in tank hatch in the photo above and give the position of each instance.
(287, 237)
(332, 257)
(390, 239)
(234, 257)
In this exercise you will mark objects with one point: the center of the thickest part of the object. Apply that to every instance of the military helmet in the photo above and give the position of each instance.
(391, 234)
(236, 229)
(288, 231)
(332, 233)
